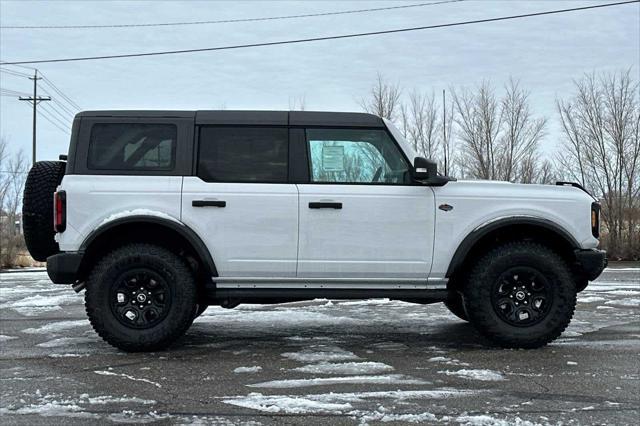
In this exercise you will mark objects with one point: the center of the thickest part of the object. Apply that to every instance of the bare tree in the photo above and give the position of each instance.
(602, 150)
(478, 120)
(499, 137)
(383, 100)
(420, 123)
(521, 136)
(12, 176)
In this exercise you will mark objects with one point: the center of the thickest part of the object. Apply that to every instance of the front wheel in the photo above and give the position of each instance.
(520, 295)
(141, 297)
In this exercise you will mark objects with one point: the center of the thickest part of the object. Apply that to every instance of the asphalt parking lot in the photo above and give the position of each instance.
(322, 362)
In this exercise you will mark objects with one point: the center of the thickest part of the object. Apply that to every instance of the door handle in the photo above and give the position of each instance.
(325, 205)
(208, 203)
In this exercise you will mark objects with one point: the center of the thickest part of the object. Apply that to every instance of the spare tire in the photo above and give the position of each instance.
(37, 208)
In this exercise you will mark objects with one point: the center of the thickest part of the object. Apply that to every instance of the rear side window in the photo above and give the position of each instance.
(243, 154)
(132, 146)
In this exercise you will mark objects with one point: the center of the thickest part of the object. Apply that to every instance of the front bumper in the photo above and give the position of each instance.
(63, 268)
(591, 262)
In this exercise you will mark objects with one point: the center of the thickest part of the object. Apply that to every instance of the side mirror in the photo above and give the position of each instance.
(426, 172)
(424, 169)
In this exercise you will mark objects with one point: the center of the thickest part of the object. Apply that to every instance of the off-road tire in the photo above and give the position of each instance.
(161, 261)
(37, 208)
(455, 304)
(482, 313)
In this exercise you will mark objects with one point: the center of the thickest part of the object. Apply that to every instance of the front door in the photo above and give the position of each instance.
(360, 216)
(240, 203)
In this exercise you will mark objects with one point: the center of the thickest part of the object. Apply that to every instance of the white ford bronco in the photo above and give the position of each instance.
(159, 214)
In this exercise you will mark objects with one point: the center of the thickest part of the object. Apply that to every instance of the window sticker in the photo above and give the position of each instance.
(333, 158)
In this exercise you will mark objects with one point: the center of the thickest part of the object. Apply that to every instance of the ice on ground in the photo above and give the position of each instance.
(287, 404)
(65, 341)
(321, 353)
(40, 303)
(283, 318)
(449, 361)
(49, 409)
(254, 369)
(115, 400)
(377, 416)
(127, 376)
(345, 368)
(590, 299)
(397, 379)
(483, 375)
(624, 302)
(341, 403)
(484, 420)
(57, 326)
(397, 395)
(4, 337)
(623, 292)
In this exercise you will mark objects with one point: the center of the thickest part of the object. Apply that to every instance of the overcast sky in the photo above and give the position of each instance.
(546, 53)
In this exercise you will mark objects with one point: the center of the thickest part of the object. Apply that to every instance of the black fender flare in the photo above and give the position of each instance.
(477, 234)
(187, 233)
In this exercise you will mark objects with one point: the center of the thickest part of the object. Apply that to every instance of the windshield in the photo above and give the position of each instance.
(404, 144)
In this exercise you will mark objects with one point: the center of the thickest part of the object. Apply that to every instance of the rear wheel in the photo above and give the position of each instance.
(141, 297)
(520, 295)
(37, 208)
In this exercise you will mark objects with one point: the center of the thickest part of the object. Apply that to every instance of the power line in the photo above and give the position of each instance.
(46, 117)
(226, 21)
(11, 92)
(62, 118)
(15, 73)
(314, 39)
(65, 97)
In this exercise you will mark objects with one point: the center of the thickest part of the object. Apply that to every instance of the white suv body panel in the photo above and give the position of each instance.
(255, 234)
(93, 201)
(383, 231)
(478, 203)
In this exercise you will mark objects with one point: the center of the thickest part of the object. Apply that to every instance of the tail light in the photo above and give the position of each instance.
(595, 219)
(59, 211)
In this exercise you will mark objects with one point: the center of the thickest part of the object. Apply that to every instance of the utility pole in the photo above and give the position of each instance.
(35, 100)
(445, 145)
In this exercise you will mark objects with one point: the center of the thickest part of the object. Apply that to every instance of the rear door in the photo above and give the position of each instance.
(240, 201)
(361, 218)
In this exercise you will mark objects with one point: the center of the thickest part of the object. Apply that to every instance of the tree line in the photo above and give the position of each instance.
(485, 133)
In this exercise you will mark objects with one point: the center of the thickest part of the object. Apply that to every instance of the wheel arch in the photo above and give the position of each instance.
(510, 229)
(146, 228)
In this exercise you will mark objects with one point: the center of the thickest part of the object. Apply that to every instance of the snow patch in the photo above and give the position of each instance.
(483, 375)
(590, 299)
(397, 379)
(484, 420)
(4, 337)
(56, 327)
(287, 404)
(624, 302)
(253, 369)
(345, 368)
(329, 353)
(65, 341)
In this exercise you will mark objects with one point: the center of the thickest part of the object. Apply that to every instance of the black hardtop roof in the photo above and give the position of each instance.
(264, 118)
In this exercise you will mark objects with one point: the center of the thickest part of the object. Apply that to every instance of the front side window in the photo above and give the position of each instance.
(243, 154)
(129, 146)
(355, 156)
